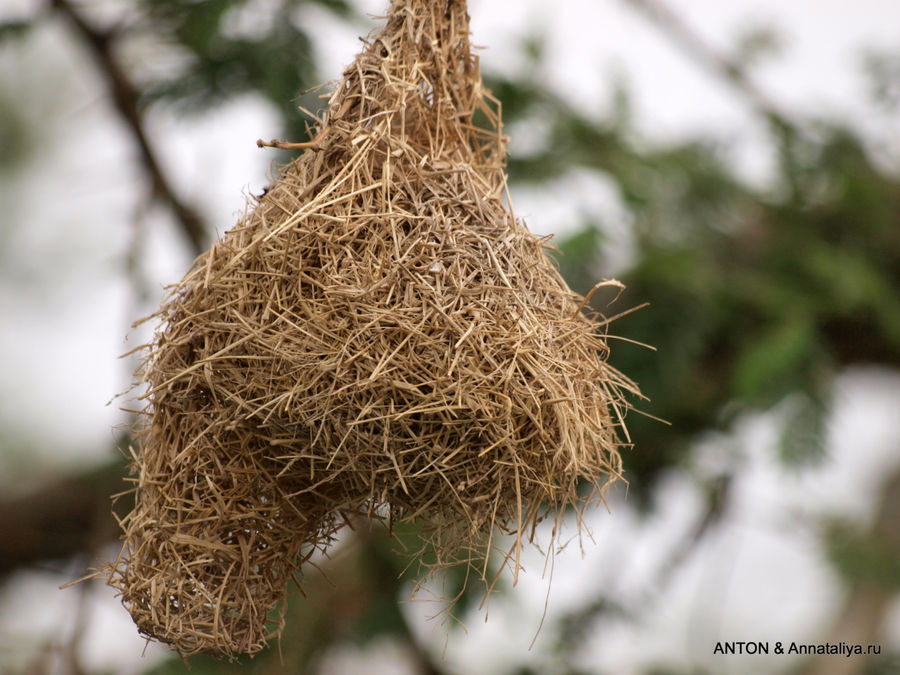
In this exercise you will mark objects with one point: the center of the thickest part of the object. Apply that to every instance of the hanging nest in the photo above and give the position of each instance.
(378, 336)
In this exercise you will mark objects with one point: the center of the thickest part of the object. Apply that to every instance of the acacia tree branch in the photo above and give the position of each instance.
(125, 98)
(64, 517)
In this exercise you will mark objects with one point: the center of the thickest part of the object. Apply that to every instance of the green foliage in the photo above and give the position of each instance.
(887, 664)
(754, 294)
(756, 43)
(15, 29)
(758, 297)
(457, 583)
(271, 56)
(861, 557)
(16, 134)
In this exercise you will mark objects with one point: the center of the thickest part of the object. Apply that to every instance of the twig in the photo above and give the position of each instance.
(314, 144)
(287, 145)
(125, 98)
(59, 519)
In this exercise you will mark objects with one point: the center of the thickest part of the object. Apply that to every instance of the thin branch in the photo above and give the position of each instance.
(125, 98)
(65, 517)
(705, 54)
(288, 145)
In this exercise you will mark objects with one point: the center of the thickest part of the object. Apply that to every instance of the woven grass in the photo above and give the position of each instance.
(378, 336)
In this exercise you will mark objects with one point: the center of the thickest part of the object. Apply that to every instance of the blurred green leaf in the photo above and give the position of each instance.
(13, 30)
(276, 61)
(772, 357)
(886, 664)
(861, 557)
(756, 43)
(17, 135)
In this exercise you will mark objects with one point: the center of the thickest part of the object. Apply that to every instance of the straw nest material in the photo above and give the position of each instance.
(378, 336)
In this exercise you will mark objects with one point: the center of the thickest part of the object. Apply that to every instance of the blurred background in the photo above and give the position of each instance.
(736, 165)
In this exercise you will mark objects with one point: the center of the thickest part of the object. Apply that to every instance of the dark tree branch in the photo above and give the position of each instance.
(125, 98)
(61, 519)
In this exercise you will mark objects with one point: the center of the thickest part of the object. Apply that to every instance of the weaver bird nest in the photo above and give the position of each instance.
(379, 336)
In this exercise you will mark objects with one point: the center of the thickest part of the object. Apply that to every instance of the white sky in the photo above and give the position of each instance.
(65, 309)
